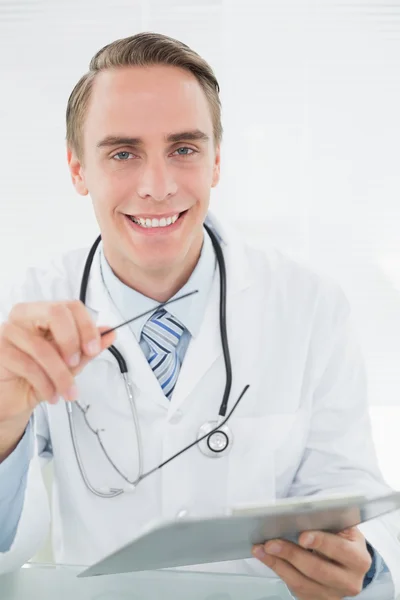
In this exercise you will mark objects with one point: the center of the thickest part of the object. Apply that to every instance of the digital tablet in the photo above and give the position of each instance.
(193, 541)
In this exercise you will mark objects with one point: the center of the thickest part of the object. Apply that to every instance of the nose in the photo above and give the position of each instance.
(156, 181)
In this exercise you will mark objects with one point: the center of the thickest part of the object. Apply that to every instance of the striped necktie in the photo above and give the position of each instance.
(163, 332)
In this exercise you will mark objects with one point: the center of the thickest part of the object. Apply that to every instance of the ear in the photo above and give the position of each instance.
(77, 175)
(216, 167)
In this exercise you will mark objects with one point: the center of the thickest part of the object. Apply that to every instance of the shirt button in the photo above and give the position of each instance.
(182, 514)
(176, 417)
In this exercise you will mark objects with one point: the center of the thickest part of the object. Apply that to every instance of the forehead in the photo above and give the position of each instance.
(145, 102)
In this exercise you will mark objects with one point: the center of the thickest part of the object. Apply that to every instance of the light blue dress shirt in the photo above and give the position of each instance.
(190, 312)
(13, 477)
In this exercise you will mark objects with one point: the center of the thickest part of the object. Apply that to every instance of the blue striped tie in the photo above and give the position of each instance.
(163, 332)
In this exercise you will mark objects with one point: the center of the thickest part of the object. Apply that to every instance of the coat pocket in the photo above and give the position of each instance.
(255, 459)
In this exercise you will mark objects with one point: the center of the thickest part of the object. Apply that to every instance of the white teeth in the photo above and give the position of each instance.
(164, 222)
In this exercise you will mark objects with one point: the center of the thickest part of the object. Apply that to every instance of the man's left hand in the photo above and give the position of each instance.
(335, 567)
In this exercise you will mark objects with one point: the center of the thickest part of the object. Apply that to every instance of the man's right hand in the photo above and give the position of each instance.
(43, 346)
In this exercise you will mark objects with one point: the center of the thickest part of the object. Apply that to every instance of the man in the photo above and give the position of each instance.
(144, 135)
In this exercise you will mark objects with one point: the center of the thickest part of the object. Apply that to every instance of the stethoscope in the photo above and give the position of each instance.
(214, 437)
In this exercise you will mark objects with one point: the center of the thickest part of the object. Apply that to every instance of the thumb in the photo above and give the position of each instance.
(108, 339)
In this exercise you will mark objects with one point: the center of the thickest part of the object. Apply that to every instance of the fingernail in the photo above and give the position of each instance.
(273, 548)
(75, 360)
(72, 393)
(259, 552)
(308, 540)
(93, 347)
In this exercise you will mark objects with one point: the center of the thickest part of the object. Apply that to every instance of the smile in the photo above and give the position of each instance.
(150, 222)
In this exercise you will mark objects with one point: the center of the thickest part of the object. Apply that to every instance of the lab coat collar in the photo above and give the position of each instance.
(189, 312)
(99, 301)
(203, 350)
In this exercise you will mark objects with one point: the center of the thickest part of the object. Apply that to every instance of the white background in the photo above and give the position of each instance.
(311, 153)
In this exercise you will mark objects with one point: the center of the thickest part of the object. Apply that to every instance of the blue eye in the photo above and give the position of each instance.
(185, 153)
(124, 155)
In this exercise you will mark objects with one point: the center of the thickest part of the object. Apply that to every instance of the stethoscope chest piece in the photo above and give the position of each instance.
(217, 444)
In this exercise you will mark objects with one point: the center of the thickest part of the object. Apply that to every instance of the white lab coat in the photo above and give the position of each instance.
(301, 429)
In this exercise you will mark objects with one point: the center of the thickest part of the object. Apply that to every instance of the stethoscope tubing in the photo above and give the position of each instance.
(222, 314)
(112, 492)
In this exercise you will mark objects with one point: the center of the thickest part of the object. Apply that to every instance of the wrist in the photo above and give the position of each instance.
(371, 571)
(11, 433)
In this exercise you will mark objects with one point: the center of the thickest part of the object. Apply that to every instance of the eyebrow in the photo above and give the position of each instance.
(187, 136)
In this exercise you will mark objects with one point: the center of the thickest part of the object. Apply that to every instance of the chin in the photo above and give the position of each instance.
(160, 263)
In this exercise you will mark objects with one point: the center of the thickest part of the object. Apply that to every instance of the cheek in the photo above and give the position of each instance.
(196, 181)
(109, 187)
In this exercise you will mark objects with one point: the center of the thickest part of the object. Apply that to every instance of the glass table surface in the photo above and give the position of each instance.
(60, 582)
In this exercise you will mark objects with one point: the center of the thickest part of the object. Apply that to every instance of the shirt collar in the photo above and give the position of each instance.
(189, 311)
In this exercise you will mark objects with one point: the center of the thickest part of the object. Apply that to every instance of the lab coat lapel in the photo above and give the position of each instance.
(201, 353)
(104, 312)
(205, 349)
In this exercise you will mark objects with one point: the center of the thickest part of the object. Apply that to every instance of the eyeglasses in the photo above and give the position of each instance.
(142, 476)
(112, 492)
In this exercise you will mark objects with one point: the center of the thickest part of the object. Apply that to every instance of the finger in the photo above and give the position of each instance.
(105, 342)
(315, 567)
(107, 339)
(22, 365)
(55, 322)
(30, 315)
(69, 324)
(90, 340)
(351, 553)
(43, 353)
(298, 583)
(65, 334)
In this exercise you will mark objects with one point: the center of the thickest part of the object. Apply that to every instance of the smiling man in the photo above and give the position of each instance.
(150, 192)
(144, 139)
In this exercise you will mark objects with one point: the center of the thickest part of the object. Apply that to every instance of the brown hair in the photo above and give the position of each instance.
(143, 49)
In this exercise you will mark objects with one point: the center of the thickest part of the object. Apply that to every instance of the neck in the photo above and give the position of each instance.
(159, 285)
